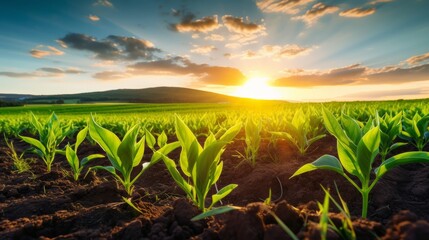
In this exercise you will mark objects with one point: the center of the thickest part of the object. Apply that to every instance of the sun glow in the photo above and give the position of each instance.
(258, 88)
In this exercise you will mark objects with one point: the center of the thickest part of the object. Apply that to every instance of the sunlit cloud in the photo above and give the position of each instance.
(180, 66)
(380, 1)
(275, 52)
(355, 75)
(232, 45)
(284, 6)
(317, 11)
(42, 72)
(215, 37)
(93, 18)
(418, 59)
(111, 48)
(239, 25)
(44, 51)
(190, 24)
(104, 3)
(111, 75)
(358, 12)
(203, 50)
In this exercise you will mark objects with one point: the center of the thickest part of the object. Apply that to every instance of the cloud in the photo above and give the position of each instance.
(174, 66)
(93, 18)
(358, 12)
(380, 1)
(418, 59)
(111, 48)
(61, 71)
(387, 94)
(104, 3)
(238, 25)
(215, 37)
(275, 52)
(317, 11)
(355, 74)
(44, 51)
(42, 72)
(283, 6)
(190, 24)
(111, 75)
(203, 50)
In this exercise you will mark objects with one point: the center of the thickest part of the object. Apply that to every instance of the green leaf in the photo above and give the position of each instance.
(400, 159)
(352, 128)
(165, 150)
(184, 134)
(72, 159)
(126, 149)
(80, 138)
(150, 139)
(333, 126)
(230, 134)
(36, 143)
(367, 150)
(162, 139)
(91, 157)
(347, 159)
(396, 145)
(326, 162)
(139, 152)
(107, 140)
(205, 161)
(222, 193)
(171, 167)
(215, 211)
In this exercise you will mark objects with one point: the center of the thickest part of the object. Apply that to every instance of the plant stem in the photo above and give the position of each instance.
(365, 195)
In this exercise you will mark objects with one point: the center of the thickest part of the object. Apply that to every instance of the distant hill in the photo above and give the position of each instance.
(146, 95)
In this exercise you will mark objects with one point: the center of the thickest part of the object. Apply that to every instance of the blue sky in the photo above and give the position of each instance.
(296, 49)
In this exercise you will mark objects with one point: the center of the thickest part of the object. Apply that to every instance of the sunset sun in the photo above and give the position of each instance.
(258, 88)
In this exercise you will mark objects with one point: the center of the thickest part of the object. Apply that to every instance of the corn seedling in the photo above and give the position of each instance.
(19, 162)
(390, 128)
(72, 158)
(252, 139)
(51, 134)
(357, 149)
(416, 130)
(125, 155)
(299, 132)
(345, 230)
(201, 166)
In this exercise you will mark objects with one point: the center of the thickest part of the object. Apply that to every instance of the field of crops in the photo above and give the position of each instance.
(262, 170)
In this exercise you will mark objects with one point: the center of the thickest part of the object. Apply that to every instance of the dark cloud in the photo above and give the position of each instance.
(175, 66)
(17, 74)
(111, 48)
(317, 11)
(356, 74)
(188, 23)
(358, 12)
(238, 25)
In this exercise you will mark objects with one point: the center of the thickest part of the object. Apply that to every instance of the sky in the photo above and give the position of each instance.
(300, 50)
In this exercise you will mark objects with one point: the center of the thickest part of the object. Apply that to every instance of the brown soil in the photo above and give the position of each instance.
(42, 205)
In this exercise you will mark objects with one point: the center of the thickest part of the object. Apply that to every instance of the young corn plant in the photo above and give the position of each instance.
(252, 139)
(390, 128)
(51, 134)
(345, 230)
(416, 130)
(125, 155)
(19, 162)
(72, 158)
(201, 165)
(357, 149)
(299, 132)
